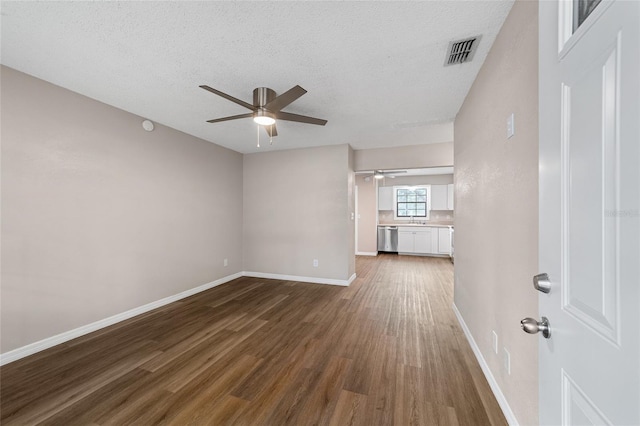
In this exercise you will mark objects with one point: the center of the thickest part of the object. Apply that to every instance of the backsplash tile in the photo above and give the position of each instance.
(436, 216)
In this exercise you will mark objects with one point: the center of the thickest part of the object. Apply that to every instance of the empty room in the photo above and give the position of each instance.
(320, 213)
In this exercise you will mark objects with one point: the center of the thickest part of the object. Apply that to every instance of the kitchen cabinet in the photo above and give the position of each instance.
(405, 241)
(444, 241)
(438, 197)
(450, 196)
(418, 240)
(423, 242)
(442, 197)
(385, 198)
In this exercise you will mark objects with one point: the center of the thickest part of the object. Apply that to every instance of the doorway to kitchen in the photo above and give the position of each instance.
(405, 211)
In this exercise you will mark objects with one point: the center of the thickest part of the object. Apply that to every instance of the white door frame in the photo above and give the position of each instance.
(357, 216)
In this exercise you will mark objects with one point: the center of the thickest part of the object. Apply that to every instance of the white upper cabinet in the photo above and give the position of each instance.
(442, 197)
(438, 197)
(385, 198)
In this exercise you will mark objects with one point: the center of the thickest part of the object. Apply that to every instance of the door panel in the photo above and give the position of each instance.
(590, 184)
(580, 410)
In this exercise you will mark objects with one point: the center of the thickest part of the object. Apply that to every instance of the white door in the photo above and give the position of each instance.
(589, 196)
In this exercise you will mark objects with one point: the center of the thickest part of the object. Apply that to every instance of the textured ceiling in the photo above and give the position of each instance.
(373, 69)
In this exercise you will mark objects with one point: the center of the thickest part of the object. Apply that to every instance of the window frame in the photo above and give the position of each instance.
(427, 203)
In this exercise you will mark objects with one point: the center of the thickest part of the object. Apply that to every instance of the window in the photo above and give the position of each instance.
(581, 10)
(410, 202)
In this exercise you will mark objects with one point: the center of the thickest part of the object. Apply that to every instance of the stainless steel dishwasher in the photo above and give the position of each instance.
(388, 239)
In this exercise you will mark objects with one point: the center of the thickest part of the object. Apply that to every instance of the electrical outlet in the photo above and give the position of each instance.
(507, 361)
(494, 338)
(315, 263)
(511, 125)
(226, 262)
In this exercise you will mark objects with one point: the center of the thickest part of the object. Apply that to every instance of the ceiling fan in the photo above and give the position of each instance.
(379, 174)
(267, 108)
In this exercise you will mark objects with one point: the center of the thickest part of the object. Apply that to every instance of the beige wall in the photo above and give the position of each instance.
(368, 211)
(405, 157)
(496, 216)
(100, 216)
(296, 209)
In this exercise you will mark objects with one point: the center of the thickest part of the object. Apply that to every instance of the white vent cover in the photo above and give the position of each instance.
(462, 51)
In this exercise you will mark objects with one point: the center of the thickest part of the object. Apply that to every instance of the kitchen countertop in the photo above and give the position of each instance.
(420, 225)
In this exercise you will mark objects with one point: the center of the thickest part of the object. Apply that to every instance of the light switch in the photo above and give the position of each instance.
(511, 125)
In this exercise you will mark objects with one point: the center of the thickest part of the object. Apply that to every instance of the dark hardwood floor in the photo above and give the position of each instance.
(385, 351)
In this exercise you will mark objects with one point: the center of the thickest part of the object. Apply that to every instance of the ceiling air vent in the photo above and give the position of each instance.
(462, 51)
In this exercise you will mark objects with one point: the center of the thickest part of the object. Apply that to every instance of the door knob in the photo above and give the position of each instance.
(531, 326)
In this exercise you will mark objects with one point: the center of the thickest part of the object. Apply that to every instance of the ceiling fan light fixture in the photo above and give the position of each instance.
(378, 175)
(263, 118)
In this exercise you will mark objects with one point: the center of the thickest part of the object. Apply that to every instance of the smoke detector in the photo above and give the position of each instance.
(461, 51)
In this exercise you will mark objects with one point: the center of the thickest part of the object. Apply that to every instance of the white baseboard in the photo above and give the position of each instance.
(43, 344)
(314, 280)
(366, 253)
(502, 401)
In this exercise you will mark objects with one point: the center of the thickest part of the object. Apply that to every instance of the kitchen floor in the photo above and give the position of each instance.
(386, 350)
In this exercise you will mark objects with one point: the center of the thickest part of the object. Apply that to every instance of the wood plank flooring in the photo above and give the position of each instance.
(385, 351)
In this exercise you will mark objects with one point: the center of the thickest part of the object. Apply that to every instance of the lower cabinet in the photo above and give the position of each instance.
(405, 241)
(419, 240)
(444, 241)
(424, 240)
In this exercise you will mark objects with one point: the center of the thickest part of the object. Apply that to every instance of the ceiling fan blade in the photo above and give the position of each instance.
(232, 117)
(299, 118)
(285, 99)
(394, 172)
(272, 131)
(229, 97)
